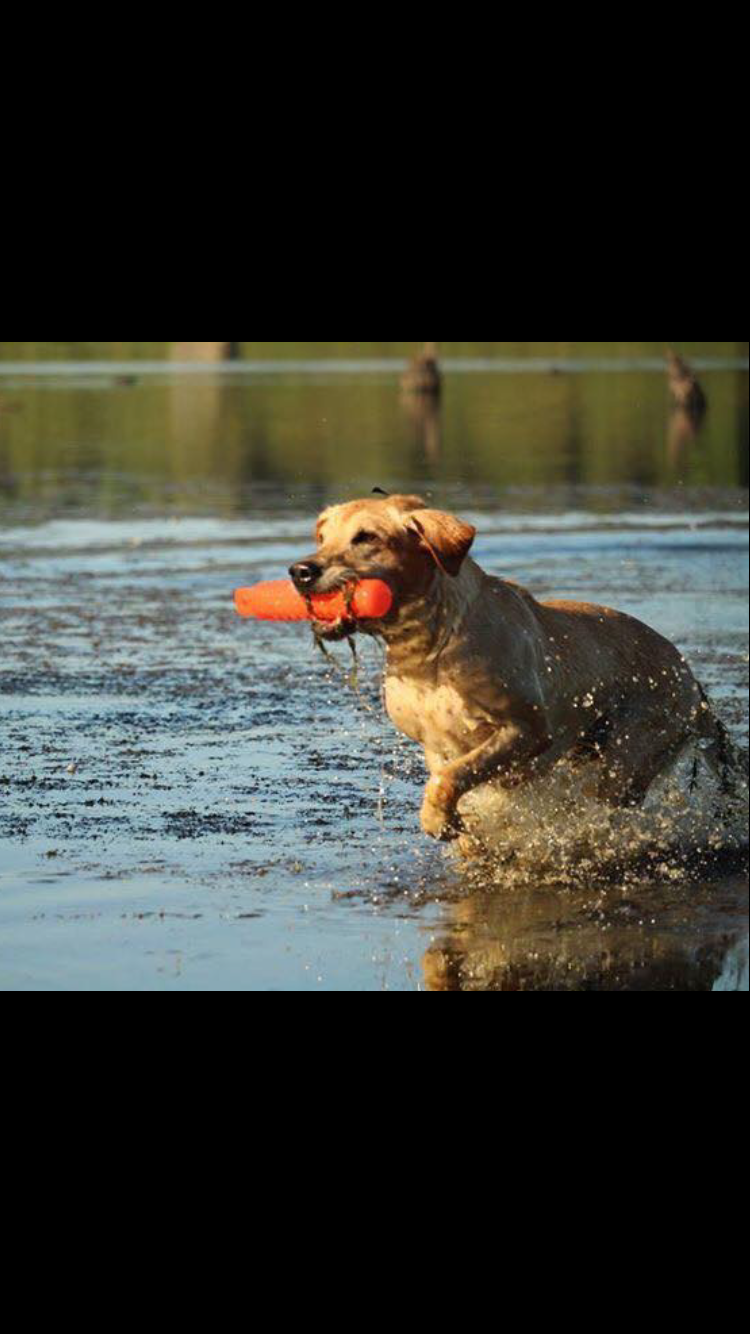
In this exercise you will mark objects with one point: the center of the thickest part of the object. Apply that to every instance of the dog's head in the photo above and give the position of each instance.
(398, 539)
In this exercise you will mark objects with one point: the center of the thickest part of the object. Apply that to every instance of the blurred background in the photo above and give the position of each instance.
(213, 427)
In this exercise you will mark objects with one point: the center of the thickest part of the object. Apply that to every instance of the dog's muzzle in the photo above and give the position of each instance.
(305, 575)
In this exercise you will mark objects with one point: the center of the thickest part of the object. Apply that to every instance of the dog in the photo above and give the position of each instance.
(497, 686)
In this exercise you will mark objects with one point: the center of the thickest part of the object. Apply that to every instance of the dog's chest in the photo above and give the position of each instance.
(436, 716)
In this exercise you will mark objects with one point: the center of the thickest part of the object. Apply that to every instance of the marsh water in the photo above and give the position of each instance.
(192, 802)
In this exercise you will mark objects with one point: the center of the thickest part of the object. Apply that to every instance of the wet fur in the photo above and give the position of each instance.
(497, 686)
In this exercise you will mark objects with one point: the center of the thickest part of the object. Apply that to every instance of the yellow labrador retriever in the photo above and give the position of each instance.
(497, 686)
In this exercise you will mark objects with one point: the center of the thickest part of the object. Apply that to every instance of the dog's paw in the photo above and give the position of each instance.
(439, 823)
(438, 817)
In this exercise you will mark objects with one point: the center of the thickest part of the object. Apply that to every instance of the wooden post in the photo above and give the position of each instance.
(205, 351)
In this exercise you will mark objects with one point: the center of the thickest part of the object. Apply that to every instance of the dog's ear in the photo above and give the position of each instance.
(321, 523)
(448, 539)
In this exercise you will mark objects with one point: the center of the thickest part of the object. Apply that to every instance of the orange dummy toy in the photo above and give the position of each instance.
(279, 601)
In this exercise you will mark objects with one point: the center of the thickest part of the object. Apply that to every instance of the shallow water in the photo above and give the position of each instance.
(188, 801)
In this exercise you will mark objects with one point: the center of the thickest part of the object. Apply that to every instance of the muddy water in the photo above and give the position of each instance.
(188, 801)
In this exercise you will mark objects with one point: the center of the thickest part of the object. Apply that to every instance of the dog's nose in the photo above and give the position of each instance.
(305, 574)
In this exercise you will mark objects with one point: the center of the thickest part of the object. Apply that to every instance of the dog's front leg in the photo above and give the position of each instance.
(516, 752)
(438, 816)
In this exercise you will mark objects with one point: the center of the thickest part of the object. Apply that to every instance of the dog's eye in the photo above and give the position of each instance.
(362, 537)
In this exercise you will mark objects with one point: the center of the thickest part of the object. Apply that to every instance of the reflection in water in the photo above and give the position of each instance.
(425, 411)
(678, 934)
(561, 893)
(205, 440)
(195, 412)
(689, 408)
(683, 430)
(204, 351)
(421, 391)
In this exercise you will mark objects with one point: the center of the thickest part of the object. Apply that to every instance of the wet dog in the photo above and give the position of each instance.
(497, 686)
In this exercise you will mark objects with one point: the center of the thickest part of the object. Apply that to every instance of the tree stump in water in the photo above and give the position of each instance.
(423, 375)
(685, 388)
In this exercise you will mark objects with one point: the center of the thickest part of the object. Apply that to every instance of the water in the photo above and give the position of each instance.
(188, 801)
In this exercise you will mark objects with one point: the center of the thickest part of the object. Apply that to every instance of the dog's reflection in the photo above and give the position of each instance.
(659, 937)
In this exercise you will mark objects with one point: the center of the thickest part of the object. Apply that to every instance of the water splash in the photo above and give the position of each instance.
(735, 975)
(557, 827)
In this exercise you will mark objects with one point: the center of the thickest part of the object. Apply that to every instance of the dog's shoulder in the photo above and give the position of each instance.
(507, 596)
